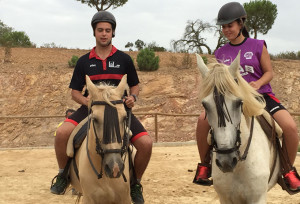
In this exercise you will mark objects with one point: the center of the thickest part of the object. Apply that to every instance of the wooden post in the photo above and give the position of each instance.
(156, 127)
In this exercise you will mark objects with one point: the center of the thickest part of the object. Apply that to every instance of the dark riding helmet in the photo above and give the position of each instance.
(231, 12)
(104, 16)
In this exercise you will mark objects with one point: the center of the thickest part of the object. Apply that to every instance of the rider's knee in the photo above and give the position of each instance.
(62, 134)
(144, 144)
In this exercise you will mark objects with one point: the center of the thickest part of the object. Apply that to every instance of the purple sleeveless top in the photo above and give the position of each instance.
(251, 50)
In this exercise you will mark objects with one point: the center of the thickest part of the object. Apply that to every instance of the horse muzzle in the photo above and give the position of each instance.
(114, 167)
(227, 162)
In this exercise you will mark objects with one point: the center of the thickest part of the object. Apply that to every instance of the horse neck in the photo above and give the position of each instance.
(245, 127)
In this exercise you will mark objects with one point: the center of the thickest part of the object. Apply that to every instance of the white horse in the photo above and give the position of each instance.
(242, 173)
(101, 172)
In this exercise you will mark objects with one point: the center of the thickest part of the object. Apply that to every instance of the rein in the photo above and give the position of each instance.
(99, 149)
(237, 143)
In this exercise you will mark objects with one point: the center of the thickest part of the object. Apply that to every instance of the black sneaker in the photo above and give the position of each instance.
(136, 192)
(60, 186)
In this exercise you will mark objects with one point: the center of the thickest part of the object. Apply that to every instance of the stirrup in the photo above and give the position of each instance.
(285, 186)
(204, 182)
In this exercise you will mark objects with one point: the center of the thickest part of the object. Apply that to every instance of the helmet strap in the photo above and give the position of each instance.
(239, 33)
(240, 22)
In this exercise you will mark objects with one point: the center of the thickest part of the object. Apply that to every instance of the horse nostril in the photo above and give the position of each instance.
(234, 161)
(218, 163)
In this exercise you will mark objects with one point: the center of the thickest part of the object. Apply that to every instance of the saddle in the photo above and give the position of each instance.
(77, 137)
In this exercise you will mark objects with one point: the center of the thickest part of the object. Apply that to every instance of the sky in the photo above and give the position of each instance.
(67, 22)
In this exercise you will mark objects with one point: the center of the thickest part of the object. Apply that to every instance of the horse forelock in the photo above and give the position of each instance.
(106, 93)
(219, 78)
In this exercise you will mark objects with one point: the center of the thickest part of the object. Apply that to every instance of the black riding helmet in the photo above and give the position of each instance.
(231, 12)
(104, 16)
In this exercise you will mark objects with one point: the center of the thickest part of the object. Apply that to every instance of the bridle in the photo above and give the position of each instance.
(109, 110)
(223, 114)
(237, 142)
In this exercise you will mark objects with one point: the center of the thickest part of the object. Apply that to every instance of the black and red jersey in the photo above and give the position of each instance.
(109, 70)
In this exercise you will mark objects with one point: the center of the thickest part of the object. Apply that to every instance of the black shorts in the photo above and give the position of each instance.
(272, 104)
(136, 126)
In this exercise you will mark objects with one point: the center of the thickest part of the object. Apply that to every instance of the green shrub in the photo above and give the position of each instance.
(73, 61)
(287, 55)
(204, 59)
(147, 61)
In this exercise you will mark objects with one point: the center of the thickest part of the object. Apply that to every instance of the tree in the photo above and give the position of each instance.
(156, 48)
(129, 45)
(192, 39)
(10, 38)
(261, 15)
(104, 4)
(4, 28)
(222, 40)
(139, 44)
(16, 39)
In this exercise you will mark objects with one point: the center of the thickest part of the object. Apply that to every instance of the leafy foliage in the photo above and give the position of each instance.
(51, 45)
(192, 39)
(287, 55)
(147, 61)
(11, 38)
(73, 61)
(261, 15)
(129, 45)
(139, 44)
(104, 4)
(156, 48)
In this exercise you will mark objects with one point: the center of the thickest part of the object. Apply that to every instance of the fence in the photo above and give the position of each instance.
(154, 114)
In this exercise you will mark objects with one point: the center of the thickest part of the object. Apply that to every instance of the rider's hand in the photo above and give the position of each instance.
(129, 101)
(255, 84)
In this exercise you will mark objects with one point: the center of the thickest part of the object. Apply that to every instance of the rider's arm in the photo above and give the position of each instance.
(267, 69)
(79, 98)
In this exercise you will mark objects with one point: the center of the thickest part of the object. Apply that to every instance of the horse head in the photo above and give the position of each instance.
(108, 125)
(223, 107)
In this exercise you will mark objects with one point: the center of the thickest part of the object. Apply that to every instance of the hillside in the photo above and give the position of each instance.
(36, 83)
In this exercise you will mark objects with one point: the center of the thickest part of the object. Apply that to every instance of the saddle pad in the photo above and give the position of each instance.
(77, 137)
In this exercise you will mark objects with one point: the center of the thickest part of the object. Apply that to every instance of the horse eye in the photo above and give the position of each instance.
(95, 120)
(204, 105)
(239, 103)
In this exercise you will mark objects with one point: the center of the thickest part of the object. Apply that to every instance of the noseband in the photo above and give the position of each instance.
(110, 127)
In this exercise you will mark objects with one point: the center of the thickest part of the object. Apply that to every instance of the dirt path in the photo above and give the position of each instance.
(25, 177)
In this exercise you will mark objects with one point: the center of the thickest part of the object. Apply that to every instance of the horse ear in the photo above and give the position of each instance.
(235, 65)
(90, 85)
(201, 65)
(122, 86)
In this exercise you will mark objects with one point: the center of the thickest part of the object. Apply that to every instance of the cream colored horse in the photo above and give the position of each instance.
(101, 160)
(239, 176)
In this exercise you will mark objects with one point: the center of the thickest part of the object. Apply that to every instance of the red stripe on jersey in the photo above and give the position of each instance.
(274, 98)
(93, 54)
(106, 76)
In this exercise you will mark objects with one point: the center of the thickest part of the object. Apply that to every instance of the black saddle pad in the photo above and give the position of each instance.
(80, 135)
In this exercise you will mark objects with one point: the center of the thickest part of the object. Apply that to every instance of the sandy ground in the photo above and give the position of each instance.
(25, 177)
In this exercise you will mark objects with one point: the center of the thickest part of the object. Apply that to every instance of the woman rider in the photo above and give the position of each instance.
(257, 70)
